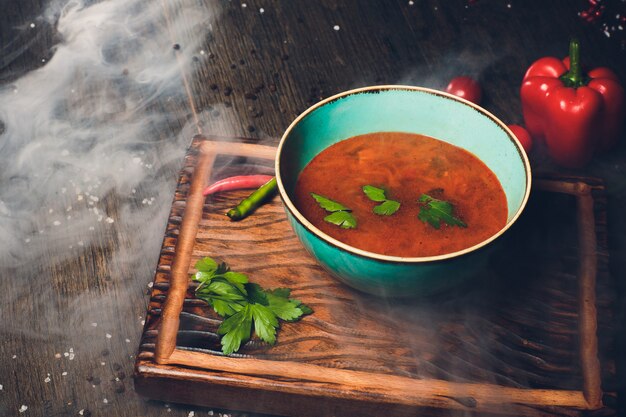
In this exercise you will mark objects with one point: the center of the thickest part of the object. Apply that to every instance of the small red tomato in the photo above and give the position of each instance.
(523, 136)
(465, 87)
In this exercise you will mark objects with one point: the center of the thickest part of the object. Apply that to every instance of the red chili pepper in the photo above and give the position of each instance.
(576, 114)
(237, 183)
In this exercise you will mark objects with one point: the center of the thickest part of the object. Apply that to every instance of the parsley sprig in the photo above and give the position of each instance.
(339, 214)
(386, 207)
(434, 211)
(243, 304)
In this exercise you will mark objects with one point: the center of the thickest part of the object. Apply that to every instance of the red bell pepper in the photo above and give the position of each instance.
(576, 114)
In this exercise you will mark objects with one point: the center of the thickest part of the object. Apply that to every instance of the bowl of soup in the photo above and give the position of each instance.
(400, 190)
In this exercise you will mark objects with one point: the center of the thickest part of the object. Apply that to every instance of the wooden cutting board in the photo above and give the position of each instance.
(531, 336)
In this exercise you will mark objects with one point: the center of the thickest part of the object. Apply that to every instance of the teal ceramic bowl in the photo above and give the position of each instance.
(400, 109)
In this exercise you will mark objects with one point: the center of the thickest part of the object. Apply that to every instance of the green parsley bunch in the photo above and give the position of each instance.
(243, 304)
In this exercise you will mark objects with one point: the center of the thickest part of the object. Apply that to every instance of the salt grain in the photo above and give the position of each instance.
(23, 408)
(108, 336)
(56, 223)
(64, 373)
(57, 355)
(14, 356)
(105, 401)
(411, 2)
(109, 220)
(1, 387)
(80, 197)
(27, 240)
(261, 10)
(127, 340)
(81, 412)
(32, 25)
(244, 5)
(94, 324)
(336, 27)
(66, 354)
(103, 363)
(47, 379)
(191, 414)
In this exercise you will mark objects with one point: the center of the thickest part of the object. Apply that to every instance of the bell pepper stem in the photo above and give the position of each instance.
(574, 77)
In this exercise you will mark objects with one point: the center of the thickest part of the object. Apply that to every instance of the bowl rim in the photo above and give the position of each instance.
(388, 258)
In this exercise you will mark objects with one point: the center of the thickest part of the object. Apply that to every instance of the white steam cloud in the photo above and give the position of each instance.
(90, 146)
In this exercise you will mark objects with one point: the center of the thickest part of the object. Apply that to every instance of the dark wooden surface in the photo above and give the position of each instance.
(73, 298)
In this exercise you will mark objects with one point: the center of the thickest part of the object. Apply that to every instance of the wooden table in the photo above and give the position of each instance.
(73, 280)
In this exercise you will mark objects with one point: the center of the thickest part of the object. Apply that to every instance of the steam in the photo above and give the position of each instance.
(87, 154)
(90, 125)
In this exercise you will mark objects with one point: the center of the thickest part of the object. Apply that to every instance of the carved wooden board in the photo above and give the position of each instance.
(516, 340)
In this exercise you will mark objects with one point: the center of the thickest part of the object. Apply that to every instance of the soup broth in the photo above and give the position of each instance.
(406, 166)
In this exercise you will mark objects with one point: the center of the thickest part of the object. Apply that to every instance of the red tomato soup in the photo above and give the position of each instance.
(406, 166)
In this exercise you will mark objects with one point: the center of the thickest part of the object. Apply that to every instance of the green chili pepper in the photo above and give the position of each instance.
(249, 204)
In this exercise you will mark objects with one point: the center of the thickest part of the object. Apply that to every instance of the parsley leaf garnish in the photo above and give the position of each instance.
(343, 219)
(328, 204)
(374, 193)
(434, 211)
(387, 207)
(244, 304)
(339, 214)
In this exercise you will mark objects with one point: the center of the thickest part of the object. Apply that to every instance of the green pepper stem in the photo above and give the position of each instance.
(574, 77)
(263, 194)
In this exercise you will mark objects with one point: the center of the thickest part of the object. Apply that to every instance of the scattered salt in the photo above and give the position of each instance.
(336, 27)
(50, 211)
(47, 379)
(127, 340)
(105, 401)
(191, 414)
(64, 373)
(261, 10)
(143, 322)
(32, 25)
(103, 363)
(411, 2)
(244, 5)
(109, 220)
(108, 336)
(81, 412)
(57, 355)
(27, 240)
(56, 223)
(23, 408)
(94, 324)
(72, 356)
(66, 354)
(14, 356)
(1, 387)
(80, 197)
